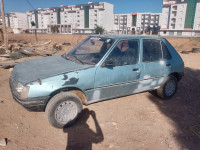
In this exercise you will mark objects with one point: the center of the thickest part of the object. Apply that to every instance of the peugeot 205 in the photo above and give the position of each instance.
(97, 69)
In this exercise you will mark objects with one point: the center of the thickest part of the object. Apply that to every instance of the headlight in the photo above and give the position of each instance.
(22, 90)
(19, 88)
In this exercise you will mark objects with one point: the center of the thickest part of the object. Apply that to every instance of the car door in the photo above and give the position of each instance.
(119, 73)
(155, 66)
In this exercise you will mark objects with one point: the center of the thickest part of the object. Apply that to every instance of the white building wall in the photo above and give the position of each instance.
(197, 18)
(177, 16)
(17, 20)
(101, 15)
(165, 17)
(108, 17)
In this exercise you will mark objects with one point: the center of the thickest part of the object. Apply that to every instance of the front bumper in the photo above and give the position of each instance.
(32, 104)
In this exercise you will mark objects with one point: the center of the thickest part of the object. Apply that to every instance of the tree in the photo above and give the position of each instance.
(32, 23)
(99, 30)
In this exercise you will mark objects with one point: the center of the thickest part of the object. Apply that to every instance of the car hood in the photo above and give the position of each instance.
(41, 68)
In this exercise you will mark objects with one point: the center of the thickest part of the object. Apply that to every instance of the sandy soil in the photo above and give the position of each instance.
(140, 121)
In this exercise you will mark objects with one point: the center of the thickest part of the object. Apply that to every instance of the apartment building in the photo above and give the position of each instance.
(73, 19)
(122, 23)
(17, 21)
(180, 18)
(146, 23)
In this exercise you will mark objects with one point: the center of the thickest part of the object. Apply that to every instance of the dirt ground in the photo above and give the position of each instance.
(139, 122)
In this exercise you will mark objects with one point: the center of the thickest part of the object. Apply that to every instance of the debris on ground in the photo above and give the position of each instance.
(3, 142)
(194, 50)
(7, 64)
(21, 49)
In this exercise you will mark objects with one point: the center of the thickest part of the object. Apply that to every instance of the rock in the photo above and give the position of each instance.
(11, 69)
(3, 142)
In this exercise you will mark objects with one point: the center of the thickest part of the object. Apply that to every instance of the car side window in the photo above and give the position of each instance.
(125, 53)
(166, 54)
(151, 50)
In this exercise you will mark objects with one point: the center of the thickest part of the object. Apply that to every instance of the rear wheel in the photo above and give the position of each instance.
(63, 109)
(168, 89)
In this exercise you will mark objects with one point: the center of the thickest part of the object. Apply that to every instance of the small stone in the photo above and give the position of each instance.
(3, 142)
(114, 123)
(11, 69)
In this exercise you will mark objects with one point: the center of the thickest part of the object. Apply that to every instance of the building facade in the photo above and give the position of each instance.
(180, 18)
(146, 23)
(122, 23)
(17, 21)
(73, 19)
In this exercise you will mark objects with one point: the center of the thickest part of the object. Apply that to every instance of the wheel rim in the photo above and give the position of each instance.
(66, 111)
(170, 88)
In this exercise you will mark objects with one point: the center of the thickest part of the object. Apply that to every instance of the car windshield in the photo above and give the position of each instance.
(90, 51)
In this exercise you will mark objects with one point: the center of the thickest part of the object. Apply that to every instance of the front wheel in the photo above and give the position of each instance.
(63, 109)
(168, 89)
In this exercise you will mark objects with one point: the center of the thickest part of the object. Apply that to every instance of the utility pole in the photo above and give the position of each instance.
(4, 26)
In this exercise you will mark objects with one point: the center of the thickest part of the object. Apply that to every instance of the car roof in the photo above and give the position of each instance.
(124, 36)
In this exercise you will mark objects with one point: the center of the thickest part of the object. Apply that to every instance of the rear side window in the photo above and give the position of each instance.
(166, 54)
(151, 50)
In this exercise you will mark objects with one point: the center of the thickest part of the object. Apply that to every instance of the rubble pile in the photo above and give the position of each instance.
(20, 50)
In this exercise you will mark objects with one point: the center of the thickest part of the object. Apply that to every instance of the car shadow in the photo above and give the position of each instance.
(184, 109)
(80, 136)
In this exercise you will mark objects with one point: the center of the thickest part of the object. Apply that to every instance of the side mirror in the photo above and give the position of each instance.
(109, 64)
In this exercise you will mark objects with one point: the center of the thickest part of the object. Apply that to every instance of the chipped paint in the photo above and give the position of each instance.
(96, 95)
(39, 81)
(65, 77)
(71, 81)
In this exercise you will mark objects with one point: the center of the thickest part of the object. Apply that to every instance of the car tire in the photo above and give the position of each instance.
(168, 89)
(63, 109)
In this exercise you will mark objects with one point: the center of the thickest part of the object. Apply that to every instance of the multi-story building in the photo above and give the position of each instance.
(73, 19)
(122, 23)
(146, 22)
(180, 18)
(17, 21)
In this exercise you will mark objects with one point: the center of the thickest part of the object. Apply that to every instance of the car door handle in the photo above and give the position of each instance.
(168, 65)
(135, 69)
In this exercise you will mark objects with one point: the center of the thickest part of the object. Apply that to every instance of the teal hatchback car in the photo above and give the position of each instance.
(99, 68)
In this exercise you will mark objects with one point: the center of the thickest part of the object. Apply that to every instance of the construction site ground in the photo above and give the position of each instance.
(137, 122)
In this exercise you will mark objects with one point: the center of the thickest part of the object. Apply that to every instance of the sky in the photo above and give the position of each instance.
(120, 6)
